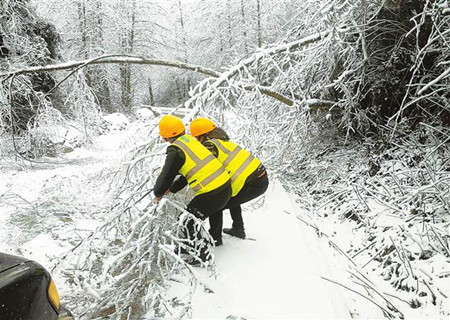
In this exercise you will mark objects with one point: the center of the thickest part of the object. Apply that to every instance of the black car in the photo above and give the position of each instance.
(27, 291)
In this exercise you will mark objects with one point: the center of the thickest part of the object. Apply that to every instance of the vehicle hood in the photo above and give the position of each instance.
(8, 261)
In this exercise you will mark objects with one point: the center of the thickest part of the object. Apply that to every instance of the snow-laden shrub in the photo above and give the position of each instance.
(123, 268)
(80, 106)
(385, 205)
(144, 114)
(115, 122)
(56, 127)
(25, 40)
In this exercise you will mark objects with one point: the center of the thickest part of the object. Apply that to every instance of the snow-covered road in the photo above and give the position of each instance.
(276, 276)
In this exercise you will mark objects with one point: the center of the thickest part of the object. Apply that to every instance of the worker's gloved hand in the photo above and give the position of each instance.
(158, 199)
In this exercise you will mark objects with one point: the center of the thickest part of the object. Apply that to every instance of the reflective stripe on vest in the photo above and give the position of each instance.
(238, 161)
(201, 169)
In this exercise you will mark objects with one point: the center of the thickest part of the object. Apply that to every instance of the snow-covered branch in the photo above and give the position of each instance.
(123, 59)
(111, 59)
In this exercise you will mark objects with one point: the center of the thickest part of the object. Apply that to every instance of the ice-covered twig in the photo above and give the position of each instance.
(386, 312)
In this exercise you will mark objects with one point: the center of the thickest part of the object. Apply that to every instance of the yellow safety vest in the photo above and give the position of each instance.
(239, 162)
(201, 169)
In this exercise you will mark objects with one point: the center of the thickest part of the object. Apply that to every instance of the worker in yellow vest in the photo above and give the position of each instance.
(248, 176)
(199, 169)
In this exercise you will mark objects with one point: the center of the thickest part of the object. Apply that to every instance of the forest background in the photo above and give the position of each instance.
(346, 101)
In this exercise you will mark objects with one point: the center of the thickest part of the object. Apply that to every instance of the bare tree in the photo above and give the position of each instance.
(126, 40)
(258, 23)
(244, 27)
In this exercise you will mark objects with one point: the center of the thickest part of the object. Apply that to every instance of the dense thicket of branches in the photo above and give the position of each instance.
(376, 82)
(404, 47)
(25, 40)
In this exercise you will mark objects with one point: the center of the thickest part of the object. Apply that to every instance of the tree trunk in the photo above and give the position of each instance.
(244, 28)
(220, 33)
(82, 18)
(99, 9)
(183, 32)
(188, 87)
(258, 23)
(150, 92)
(100, 82)
(230, 33)
(83, 29)
(185, 51)
(180, 95)
(127, 43)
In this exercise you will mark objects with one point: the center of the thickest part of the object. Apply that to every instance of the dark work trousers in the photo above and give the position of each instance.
(251, 190)
(208, 205)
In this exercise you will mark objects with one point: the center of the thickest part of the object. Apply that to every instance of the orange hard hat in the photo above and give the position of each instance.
(170, 126)
(201, 126)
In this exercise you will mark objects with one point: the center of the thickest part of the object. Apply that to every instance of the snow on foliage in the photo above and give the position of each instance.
(394, 227)
(144, 114)
(390, 188)
(122, 266)
(402, 169)
(364, 146)
(116, 121)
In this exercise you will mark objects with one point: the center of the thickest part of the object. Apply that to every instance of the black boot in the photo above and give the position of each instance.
(217, 236)
(238, 233)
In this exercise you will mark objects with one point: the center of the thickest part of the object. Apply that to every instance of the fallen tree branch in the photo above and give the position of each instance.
(126, 59)
(230, 73)
(371, 286)
(108, 59)
(387, 312)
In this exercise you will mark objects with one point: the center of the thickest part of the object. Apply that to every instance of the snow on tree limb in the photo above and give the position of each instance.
(221, 77)
(230, 73)
(122, 59)
(434, 81)
(107, 59)
(303, 42)
(316, 104)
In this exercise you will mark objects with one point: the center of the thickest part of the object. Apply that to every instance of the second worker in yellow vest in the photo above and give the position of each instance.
(248, 176)
(198, 168)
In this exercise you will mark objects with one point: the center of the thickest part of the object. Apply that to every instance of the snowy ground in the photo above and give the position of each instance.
(41, 203)
(277, 274)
